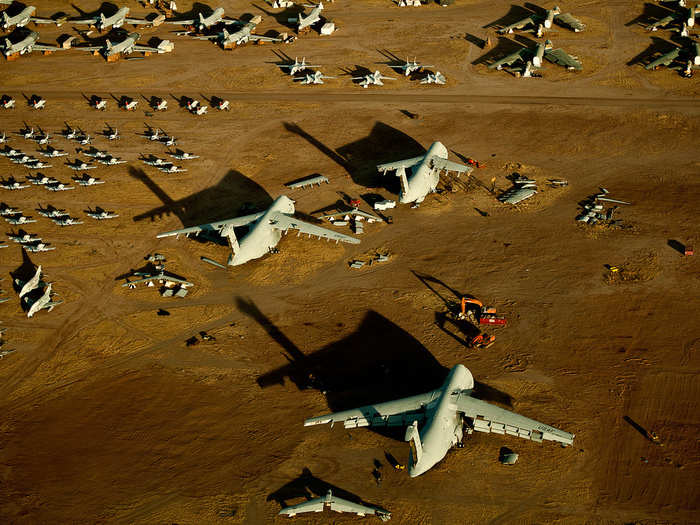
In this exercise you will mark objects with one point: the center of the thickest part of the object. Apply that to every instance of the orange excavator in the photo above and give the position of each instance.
(474, 310)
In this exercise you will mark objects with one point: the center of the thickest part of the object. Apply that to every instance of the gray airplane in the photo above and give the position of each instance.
(78, 165)
(23, 237)
(26, 45)
(52, 152)
(265, 230)
(152, 160)
(52, 212)
(205, 22)
(372, 79)
(38, 247)
(126, 46)
(533, 56)
(58, 186)
(22, 18)
(685, 55)
(11, 184)
(94, 153)
(425, 173)
(312, 78)
(334, 503)
(183, 155)
(171, 168)
(66, 221)
(305, 22)
(86, 180)
(8, 210)
(684, 17)
(41, 180)
(100, 214)
(298, 67)
(35, 164)
(30, 285)
(116, 20)
(442, 414)
(543, 20)
(16, 220)
(241, 36)
(42, 303)
(109, 160)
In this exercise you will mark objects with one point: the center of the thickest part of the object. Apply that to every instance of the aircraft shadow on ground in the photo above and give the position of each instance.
(650, 13)
(658, 47)
(234, 195)
(504, 47)
(309, 487)
(515, 14)
(282, 17)
(360, 158)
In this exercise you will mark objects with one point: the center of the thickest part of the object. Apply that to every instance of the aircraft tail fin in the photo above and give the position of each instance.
(103, 19)
(413, 437)
(228, 231)
(401, 174)
(8, 44)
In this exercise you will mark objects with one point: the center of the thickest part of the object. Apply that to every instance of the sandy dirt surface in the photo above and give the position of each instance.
(108, 417)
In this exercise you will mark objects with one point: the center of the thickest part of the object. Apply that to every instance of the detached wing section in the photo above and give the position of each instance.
(401, 412)
(519, 24)
(406, 163)
(284, 222)
(490, 418)
(223, 228)
(261, 38)
(508, 60)
(447, 165)
(44, 47)
(567, 20)
(561, 57)
(314, 505)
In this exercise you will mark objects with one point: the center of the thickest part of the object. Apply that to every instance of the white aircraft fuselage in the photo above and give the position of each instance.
(261, 237)
(423, 178)
(21, 19)
(23, 46)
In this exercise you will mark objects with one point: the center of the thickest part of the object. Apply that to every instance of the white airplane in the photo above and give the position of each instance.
(38, 247)
(27, 133)
(102, 22)
(42, 138)
(12, 184)
(442, 414)
(204, 22)
(36, 165)
(199, 110)
(372, 79)
(94, 153)
(313, 78)
(99, 103)
(10, 152)
(336, 504)
(305, 22)
(31, 284)
(411, 67)
(85, 180)
(67, 221)
(171, 168)
(168, 140)
(425, 173)
(7, 102)
(222, 105)
(434, 78)
(101, 214)
(242, 36)
(4, 139)
(110, 161)
(23, 237)
(22, 18)
(50, 212)
(160, 105)
(71, 133)
(78, 165)
(155, 161)
(37, 102)
(41, 180)
(152, 134)
(43, 302)
(183, 155)
(265, 230)
(297, 66)
(111, 133)
(22, 159)
(129, 104)
(21, 219)
(126, 46)
(52, 152)
(6, 210)
(58, 187)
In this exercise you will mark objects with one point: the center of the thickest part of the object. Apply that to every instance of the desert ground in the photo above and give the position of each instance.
(109, 417)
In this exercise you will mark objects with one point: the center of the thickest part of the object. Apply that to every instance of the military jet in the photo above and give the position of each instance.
(38, 247)
(425, 173)
(205, 22)
(305, 22)
(8, 210)
(161, 276)
(183, 155)
(98, 103)
(58, 186)
(372, 79)
(16, 220)
(543, 20)
(168, 140)
(442, 414)
(128, 103)
(683, 16)
(298, 67)
(52, 152)
(312, 78)
(126, 46)
(30, 285)
(23, 17)
(86, 180)
(11, 184)
(41, 180)
(100, 214)
(10, 152)
(221, 104)
(71, 133)
(23, 237)
(27, 133)
(239, 37)
(151, 133)
(21, 158)
(410, 67)
(116, 20)
(42, 303)
(111, 133)
(29, 43)
(51, 212)
(35, 164)
(42, 138)
(534, 55)
(434, 78)
(159, 104)
(7, 102)
(109, 160)
(684, 56)
(94, 153)
(4, 139)
(78, 165)
(171, 168)
(66, 221)
(265, 230)
(334, 503)
(194, 107)
(152, 160)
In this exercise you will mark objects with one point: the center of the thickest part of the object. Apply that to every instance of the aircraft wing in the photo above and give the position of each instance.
(146, 49)
(490, 418)
(561, 57)
(43, 20)
(509, 59)
(447, 165)
(208, 37)
(284, 222)
(88, 48)
(406, 163)
(44, 47)
(83, 21)
(664, 60)
(343, 505)
(214, 226)
(568, 20)
(314, 505)
(261, 38)
(519, 24)
(181, 22)
(400, 412)
(137, 21)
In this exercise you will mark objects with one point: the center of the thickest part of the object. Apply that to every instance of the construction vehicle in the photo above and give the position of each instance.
(474, 311)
